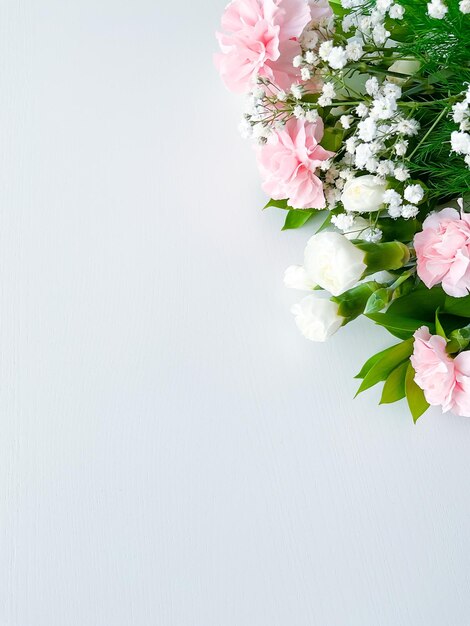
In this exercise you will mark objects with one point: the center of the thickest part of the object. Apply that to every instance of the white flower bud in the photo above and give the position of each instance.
(317, 318)
(364, 194)
(333, 262)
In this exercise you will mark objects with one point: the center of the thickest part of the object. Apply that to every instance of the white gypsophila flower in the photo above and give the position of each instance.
(464, 6)
(333, 262)
(362, 154)
(299, 113)
(408, 127)
(460, 111)
(367, 130)
(372, 165)
(385, 168)
(258, 93)
(312, 116)
(401, 173)
(245, 129)
(354, 50)
(297, 61)
(391, 90)
(339, 183)
(325, 50)
(364, 194)
(261, 131)
(324, 101)
(460, 142)
(409, 211)
(295, 277)
(297, 91)
(337, 58)
(346, 121)
(347, 173)
(328, 90)
(383, 108)
(373, 235)
(394, 210)
(401, 147)
(467, 160)
(392, 198)
(396, 12)
(414, 194)
(365, 24)
(317, 318)
(372, 86)
(281, 95)
(362, 110)
(350, 145)
(311, 57)
(437, 9)
(343, 221)
(305, 73)
(349, 21)
(380, 34)
(377, 16)
(326, 165)
(384, 5)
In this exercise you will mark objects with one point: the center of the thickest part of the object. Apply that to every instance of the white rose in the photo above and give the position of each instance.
(295, 277)
(317, 318)
(407, 68)
(333, 262)
(364, 194)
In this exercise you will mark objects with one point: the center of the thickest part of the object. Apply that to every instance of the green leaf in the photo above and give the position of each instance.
(384, 366)
(296, 219)
(398, 325)
(457, 306)
(369, 364)
(415, 395)
(378, 301)
(439, 330)
(421, 303)
(277, 204)
(394, 388)
(400, 230)
(332, 139)
(327, 222)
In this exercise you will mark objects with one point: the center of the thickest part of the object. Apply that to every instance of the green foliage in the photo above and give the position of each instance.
(379, 368)
(297, 218)
(414, 395)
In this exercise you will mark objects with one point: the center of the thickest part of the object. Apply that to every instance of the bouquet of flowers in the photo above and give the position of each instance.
(360, 112)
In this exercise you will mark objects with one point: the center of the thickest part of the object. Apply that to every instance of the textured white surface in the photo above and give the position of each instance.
(172, 452)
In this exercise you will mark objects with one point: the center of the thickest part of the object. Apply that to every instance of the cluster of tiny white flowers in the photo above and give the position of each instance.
(404, 206)
(460, 140)
(381, 132)
(437, 9)
(371, 25)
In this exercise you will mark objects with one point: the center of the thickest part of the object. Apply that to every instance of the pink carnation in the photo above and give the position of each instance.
(288, 162)
(260, 38)
(444, 380)
(443, 252)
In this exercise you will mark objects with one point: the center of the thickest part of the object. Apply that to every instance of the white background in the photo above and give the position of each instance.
(172, 451)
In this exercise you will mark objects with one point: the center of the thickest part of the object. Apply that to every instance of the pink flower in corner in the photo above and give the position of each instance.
(288, 164)
(444, 380)
(260, 38)
(443, 252)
